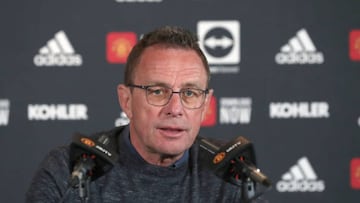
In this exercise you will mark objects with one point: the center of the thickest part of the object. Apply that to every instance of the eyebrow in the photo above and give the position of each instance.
(192, 85)
(186, 85)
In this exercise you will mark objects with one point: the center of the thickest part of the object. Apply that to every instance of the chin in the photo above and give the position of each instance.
(174, 147)
(170, 149)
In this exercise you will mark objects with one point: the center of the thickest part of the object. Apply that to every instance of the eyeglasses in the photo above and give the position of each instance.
(157, 95)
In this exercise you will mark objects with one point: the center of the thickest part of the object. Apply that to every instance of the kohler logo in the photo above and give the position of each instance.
(57, 112)
(299, 110)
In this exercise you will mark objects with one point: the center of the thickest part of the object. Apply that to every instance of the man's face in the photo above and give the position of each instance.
(170, 129)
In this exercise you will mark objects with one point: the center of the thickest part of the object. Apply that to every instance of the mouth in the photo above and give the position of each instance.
(171, 132)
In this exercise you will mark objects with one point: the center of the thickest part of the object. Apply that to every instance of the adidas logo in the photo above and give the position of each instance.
(300, 178)
(299, 50)
(58, 52)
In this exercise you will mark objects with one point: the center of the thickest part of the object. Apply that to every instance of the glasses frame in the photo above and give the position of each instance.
(145, 87)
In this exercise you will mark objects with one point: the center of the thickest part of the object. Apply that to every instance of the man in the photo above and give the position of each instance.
(165, 96)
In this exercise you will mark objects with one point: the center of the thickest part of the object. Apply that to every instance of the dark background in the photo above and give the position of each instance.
(329, 143)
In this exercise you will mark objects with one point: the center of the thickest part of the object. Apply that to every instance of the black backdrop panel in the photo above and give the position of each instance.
(285, 74)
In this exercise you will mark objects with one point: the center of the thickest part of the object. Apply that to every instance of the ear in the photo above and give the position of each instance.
(206, 104)
(124, 96)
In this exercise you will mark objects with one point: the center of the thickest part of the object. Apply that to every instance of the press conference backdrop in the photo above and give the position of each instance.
(286, 75)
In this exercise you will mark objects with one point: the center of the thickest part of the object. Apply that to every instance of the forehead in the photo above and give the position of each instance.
(171, 66)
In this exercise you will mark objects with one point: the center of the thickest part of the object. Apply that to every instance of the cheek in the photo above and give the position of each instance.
(195, 120)
(201, 115)
(142, 112)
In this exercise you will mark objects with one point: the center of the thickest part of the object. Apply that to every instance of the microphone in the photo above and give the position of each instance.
(90, 158)
(233, 161)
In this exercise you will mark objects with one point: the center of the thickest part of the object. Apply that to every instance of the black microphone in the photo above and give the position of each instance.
(90, 158)
(233, 161)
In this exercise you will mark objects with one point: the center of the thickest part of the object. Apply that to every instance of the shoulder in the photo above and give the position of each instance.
(113, 134)
(56, 158)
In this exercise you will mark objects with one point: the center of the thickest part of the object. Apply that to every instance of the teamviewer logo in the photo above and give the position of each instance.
(220, 41)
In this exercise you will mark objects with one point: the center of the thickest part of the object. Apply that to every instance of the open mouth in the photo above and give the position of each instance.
(172, 129)
(171, 132)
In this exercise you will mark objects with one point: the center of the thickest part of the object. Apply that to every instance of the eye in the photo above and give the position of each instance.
(190, 93)
(156, 90)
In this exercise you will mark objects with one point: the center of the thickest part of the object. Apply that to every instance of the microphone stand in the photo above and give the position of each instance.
(245, 171)
(235, 163)
(247, 189)
(81, 176)
(90, 158)
(84, 188)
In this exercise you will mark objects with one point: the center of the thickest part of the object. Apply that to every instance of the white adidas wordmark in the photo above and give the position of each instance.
(300, 178)
(58, 52)
(299, 50)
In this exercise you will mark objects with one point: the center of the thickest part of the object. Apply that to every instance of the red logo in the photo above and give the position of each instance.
(355, 173)
(210, 115)
(354, 46)
(119, 45)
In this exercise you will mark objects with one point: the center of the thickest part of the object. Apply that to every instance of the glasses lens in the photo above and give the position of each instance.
(158, 95)
(192, 98)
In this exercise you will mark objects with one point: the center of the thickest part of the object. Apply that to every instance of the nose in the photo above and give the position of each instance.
(174, 107)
